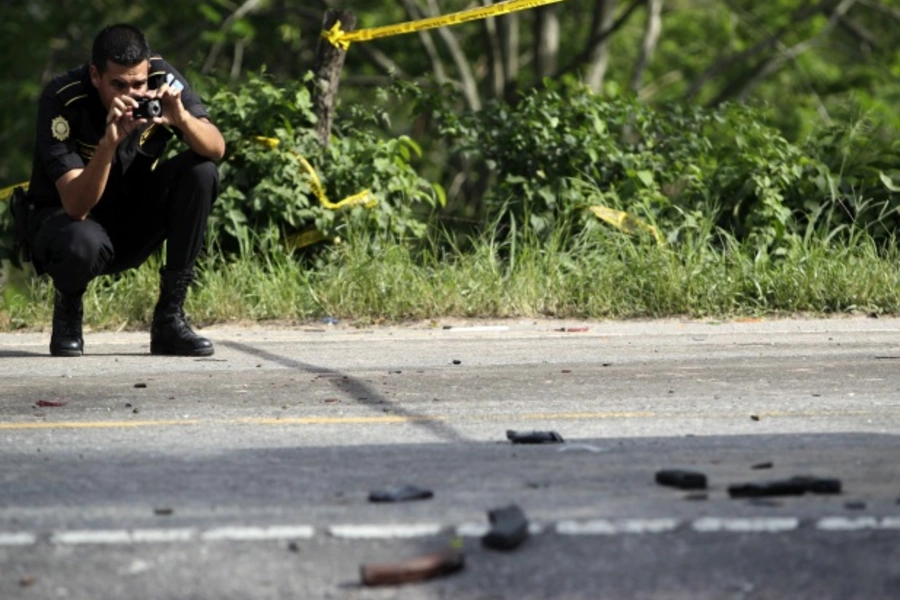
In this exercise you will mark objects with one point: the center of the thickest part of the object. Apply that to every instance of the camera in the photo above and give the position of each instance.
(147, 108)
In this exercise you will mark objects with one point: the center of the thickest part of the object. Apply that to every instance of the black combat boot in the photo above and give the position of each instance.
(66, 339)
(170, 334)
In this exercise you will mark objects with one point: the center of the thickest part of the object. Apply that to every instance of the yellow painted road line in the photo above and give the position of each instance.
(337, 420)
(587, 416)
(95, 424)
(400, 419)
(393, 420)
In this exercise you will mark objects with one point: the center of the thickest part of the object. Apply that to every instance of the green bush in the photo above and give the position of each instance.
(661, 163)
(266, 189)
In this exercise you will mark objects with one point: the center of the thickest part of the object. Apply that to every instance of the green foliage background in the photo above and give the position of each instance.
(813, 143)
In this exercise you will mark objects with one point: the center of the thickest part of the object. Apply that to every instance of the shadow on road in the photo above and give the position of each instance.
(354, 386)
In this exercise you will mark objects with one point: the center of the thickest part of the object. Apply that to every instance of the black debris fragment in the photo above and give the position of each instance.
(51, 403)
(140, 386)
(509, 528)
(403, 493)
(784, 487)
(163, 512)
(820, 485)
(763, 465)
(534, 437)
(420, 568)
(795, 486)
(683, 480)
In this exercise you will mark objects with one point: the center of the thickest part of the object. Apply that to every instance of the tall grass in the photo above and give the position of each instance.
(596, 273)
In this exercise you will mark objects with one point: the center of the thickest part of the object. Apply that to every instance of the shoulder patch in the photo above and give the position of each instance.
(59, 127)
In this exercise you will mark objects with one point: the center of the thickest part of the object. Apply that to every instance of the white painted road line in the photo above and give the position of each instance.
(255, 534)
(609, 527)
(472, 530)
(754, 525)
(858, 523)
(17, 539)
(589, 527)
(123, 536)
(384, 532)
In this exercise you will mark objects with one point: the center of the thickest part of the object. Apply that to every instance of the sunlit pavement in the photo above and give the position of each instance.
(246, 475)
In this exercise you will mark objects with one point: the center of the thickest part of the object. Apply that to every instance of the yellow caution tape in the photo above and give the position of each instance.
(365, 197)
(311, 236)
(625, 222)
(308, 237)
(342, 39)
(6, 193)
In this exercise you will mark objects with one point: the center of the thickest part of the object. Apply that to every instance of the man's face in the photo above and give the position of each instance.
(119, 80)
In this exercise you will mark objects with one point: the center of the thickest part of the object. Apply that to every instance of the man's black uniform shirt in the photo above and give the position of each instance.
(71, 121)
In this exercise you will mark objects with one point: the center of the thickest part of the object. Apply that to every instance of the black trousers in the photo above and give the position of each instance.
(170, 204)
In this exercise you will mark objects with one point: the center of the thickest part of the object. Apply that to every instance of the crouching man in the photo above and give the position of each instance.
(102, 200)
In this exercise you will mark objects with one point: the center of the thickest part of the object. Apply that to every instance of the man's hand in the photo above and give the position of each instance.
(199, 134)
(173, 111)
(119, 121)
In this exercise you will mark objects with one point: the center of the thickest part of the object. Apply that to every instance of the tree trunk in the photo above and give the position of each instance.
(604, 16)
(651, 39)
(546, 41)
(327, 70)
(509, 45)
(492, 42)
(468, 81)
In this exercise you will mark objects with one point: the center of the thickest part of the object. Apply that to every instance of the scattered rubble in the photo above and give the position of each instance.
(51, 403)
(421, 568)
(509, 528)
(534, 437)
(681, 479)
(404, 493)
(795, 486)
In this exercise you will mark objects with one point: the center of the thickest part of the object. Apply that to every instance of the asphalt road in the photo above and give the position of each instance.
(246, 475)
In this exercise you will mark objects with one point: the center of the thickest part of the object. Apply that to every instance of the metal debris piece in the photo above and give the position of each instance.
(420, 568)
(51, 403)
(403, 493)
(534, 437)
(509, 528)
(681, 479)
(795, 486)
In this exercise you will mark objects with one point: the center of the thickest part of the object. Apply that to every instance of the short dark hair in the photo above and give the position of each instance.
(122, 44)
